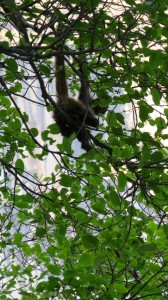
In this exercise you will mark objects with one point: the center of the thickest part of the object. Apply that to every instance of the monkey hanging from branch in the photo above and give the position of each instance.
(73, 115)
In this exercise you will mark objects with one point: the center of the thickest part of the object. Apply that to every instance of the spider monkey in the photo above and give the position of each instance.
(71, 115)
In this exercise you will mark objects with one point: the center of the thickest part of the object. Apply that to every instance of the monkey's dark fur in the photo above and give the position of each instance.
(71, 115)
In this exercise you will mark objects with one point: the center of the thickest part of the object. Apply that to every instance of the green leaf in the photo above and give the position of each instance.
(40, 232)
(44, 135)
(9, 35)
(45, 70)
(41, 287)
(122, 180)
(3, 114)
(130, 2)
(4, 44)
(90, 241)
(27, 296)
(17, 238)
(148, 249)
(49, 40)
(100, 258)
(23, 201)
(16, 88)
(120, 118)
(66, 180)
(156, 59)
(19, 166)
(120, 287)
(156, 96)
(5, 101)
(86, 260)
(114, 197)
(98, 207)
(34, 131)
(166, 112)
(157, 156)
(12, 64)
(54, 282)
(53, 129)
(53, 269)
(26, 117)
(143, 112)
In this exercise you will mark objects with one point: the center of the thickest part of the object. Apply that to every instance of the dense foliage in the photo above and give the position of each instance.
(95, 227)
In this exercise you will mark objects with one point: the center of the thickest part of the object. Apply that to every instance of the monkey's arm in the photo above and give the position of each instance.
(61, 84)
(84, 93)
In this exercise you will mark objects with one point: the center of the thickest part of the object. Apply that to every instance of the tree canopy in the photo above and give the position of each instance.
(95, 226)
